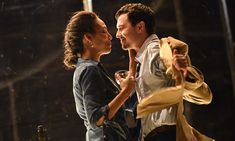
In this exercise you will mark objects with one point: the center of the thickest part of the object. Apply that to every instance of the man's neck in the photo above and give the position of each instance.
(141, 41)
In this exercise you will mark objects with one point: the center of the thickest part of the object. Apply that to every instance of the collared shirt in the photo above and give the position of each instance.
(152, 77)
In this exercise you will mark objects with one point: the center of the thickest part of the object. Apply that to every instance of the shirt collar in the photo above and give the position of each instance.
(80, 60)
(139, 56)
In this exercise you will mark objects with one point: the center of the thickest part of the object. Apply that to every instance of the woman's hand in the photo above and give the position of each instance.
(127, 83)
(120, 75)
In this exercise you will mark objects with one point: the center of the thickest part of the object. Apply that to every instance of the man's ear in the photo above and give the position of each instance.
(141, 26)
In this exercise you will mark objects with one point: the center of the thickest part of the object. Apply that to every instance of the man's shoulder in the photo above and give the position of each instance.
(153, 42)
(152, 46)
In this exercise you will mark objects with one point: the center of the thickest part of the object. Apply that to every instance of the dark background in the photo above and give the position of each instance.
(35, 87)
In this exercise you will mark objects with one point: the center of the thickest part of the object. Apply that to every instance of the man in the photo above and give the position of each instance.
(135, 29)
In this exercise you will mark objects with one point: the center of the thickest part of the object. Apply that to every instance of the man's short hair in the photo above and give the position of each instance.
(138, 12)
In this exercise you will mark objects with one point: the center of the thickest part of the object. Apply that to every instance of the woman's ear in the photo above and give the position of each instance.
(87, 37)
(87, 40)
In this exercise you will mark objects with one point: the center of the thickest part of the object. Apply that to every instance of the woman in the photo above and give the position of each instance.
(98, 98)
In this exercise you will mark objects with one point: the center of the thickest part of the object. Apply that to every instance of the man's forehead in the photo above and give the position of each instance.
(122, 20)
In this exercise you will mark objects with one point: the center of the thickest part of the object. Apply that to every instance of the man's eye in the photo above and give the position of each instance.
(120, 29)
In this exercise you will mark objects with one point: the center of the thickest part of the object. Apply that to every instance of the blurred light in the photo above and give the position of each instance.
(87, 5)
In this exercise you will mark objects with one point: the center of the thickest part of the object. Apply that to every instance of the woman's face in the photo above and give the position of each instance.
(102, 38)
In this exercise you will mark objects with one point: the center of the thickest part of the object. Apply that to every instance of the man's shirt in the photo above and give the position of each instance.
(152, 77)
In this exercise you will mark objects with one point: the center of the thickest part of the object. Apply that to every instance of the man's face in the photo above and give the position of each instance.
(126, 32)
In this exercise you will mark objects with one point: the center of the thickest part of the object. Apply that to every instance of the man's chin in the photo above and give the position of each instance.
(124, 47)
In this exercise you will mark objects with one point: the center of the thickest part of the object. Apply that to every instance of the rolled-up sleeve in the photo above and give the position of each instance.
(93, 89)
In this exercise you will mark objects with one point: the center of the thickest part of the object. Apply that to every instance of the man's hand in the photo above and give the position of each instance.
(180, 62)
(182, 47)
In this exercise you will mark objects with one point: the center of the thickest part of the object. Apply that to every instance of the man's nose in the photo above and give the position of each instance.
(118, 34)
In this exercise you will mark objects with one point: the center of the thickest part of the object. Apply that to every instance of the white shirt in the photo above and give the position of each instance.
(152, 77)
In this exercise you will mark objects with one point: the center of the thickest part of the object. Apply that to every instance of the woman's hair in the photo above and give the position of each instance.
(81, 22)
(138, 12)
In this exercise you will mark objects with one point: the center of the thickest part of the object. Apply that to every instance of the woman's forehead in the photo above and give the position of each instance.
(100, 24)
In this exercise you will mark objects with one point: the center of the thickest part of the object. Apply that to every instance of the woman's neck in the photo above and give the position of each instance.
(90, 56)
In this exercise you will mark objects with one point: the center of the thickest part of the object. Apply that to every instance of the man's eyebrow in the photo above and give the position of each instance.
(120, 26)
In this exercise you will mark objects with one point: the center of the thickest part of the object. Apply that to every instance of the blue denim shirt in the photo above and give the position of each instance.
(93, 89)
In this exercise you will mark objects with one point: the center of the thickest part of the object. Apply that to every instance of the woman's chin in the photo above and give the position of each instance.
(107, 51)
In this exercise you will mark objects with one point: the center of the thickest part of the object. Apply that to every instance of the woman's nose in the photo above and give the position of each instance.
(110, 36)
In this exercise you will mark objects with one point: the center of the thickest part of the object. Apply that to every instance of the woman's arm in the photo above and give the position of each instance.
(128, 85)
(94, 89)
(132, 62)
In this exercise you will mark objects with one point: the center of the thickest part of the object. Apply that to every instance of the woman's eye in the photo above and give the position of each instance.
(105, 31)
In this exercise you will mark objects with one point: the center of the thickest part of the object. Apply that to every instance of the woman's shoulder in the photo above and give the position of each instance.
(85, 66)
(86, 63)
